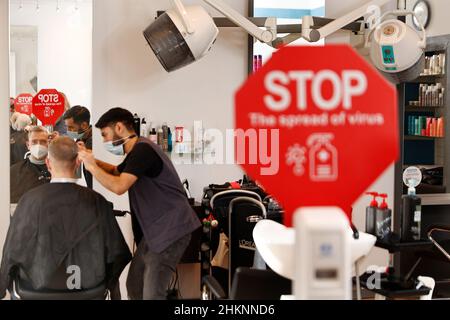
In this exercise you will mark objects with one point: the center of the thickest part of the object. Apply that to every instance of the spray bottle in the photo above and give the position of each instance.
(371, 212)
(412, 214)
(323, 157)
(383, 219)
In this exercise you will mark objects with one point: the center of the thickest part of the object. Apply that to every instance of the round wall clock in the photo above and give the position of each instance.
(423, 14)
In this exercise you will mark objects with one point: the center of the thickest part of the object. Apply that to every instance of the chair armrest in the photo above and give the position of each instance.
(439, 228)
(442, 228)
(211, 283)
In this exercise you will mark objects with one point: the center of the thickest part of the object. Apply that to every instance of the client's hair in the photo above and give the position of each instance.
(64, 151)
(37, 129)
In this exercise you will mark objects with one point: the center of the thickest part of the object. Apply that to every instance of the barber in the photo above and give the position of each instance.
(77, 120)
(157, 200)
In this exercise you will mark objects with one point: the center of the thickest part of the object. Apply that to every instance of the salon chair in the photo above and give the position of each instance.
(440, 246)
(251, 284)
(215, 238)
(430, 258)
(21, 289)
(220, 204)
(243, 214)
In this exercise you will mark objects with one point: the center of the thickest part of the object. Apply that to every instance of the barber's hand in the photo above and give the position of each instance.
(82, 147)
(53, 135)
(88, 160)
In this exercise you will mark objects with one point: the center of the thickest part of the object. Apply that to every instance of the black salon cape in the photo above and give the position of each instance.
(64, 224)
(26, 176)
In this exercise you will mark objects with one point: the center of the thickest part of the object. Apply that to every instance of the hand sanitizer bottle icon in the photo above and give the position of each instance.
(323, 158)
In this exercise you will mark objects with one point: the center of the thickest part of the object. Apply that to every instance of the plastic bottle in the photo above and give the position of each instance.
(411, 216)
(169, 145)
(154, 136)
(383, 219)
(371, 211)
(260, 62)
(137, 124)
(165, 144)
(160, 136)
(144, 129)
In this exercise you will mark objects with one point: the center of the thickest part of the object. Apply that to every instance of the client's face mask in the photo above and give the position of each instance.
(117, 147)
(38, 151)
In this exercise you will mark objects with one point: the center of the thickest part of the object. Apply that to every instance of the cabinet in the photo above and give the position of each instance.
(427, 148)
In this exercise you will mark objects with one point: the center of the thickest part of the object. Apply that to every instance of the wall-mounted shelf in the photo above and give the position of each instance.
(421, 138)
(424, 166)
(429, 78)
(425, 108)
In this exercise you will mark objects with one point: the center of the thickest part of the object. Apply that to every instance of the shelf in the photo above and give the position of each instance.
(392, 287)
(407, 137)
(424, 166)
(429, 78)
(393, 244)
(427, 108)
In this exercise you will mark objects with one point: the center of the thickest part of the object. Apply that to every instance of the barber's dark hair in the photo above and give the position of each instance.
(114, 116)
(79, 114)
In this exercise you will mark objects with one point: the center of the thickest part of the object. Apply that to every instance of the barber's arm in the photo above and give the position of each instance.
(109, 168)
(119, 184)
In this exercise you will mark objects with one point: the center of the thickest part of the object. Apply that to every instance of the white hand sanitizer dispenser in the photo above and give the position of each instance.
(323, 267)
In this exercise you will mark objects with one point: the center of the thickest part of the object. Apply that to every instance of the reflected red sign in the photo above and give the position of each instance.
(24, 103)
(48, 106)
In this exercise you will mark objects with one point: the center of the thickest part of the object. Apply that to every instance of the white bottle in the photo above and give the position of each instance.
(144, 129)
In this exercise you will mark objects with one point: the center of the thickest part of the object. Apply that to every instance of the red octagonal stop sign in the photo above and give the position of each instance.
(24, 103)
(316, 126)
(48, 106)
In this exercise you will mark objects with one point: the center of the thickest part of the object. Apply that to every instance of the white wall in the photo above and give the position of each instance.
(12, 74)
(64, 45)
(23, 42)
(4, 119)
(289, 4)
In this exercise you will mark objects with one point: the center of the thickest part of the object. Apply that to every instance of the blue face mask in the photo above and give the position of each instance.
(76, 135)
(115, 147)
(115, 150)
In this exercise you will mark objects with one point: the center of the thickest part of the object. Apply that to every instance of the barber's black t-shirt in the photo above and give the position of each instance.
(142, 161)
